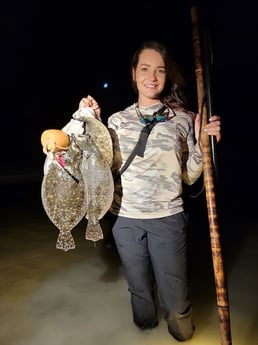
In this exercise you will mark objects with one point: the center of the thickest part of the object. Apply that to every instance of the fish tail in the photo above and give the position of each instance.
(93, 232)
(65, 241)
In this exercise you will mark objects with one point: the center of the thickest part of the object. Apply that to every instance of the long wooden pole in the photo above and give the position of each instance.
(209, 183)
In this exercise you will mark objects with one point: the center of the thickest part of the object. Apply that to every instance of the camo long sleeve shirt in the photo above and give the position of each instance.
(151, 187)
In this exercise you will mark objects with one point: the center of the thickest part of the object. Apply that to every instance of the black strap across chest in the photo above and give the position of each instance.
(142, 141)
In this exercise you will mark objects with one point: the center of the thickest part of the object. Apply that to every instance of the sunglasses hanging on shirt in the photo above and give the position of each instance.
(161, 115)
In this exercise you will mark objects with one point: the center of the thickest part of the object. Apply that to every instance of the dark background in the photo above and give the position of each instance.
(55, 53)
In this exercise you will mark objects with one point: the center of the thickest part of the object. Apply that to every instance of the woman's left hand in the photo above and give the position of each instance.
(212, 128)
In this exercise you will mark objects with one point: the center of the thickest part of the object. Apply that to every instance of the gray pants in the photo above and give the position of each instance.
(154, 255)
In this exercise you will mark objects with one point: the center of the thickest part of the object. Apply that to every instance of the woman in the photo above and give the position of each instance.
(150, 223)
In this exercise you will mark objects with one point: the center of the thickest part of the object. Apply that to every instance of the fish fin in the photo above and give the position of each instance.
(65, 241)
(93, 232)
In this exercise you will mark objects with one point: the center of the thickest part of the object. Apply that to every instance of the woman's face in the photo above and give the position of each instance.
(150, 74)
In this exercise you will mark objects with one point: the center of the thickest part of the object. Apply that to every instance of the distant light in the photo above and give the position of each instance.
(105, 85)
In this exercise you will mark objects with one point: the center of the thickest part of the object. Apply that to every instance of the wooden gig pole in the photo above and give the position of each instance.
(208, 175)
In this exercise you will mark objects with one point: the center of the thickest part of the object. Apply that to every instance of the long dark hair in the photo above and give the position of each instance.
(173, 94)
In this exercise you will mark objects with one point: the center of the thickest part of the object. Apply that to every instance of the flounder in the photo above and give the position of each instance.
(98, 183)
(99, 134)
(79, 183)
(63, 194)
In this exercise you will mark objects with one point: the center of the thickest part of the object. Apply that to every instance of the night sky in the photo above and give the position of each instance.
(55, 53)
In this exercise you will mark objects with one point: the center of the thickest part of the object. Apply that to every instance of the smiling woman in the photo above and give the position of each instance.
(147, 210)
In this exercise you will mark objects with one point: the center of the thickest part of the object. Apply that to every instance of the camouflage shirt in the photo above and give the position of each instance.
(151, 187)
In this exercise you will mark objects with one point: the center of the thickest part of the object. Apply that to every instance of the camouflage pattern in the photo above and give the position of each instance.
(151, 187)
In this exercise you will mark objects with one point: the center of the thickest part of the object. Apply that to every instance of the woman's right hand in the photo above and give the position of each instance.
(90, 102)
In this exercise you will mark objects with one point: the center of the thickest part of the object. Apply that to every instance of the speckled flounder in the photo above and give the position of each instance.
(98, 183)
(63, 194)
(79, 183)
(99, 134)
